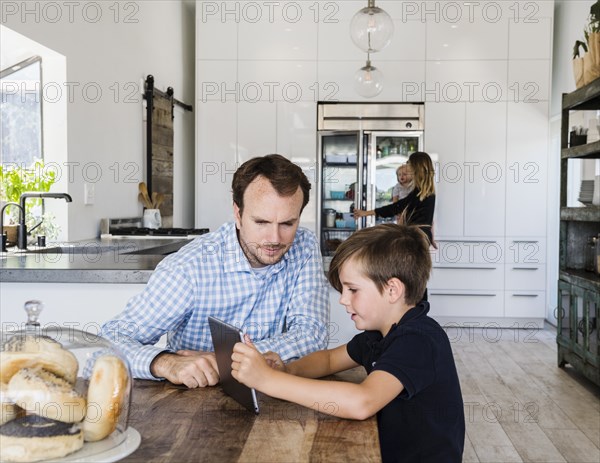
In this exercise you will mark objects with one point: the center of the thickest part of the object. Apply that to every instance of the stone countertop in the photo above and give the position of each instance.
(106, 260)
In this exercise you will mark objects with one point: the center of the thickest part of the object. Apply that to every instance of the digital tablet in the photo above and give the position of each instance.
(224, 337)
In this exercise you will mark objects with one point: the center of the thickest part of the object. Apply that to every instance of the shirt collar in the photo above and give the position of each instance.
(376, 340)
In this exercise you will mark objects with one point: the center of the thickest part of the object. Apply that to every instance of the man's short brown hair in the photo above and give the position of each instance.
(387, 251)
(285, 177)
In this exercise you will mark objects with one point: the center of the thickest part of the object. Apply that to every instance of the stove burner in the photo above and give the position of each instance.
(140, 231)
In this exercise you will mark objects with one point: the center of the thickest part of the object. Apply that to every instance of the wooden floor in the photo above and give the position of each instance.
(519, 406)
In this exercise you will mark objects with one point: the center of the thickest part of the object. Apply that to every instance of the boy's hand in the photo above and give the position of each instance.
(248, 365)
(274, 361)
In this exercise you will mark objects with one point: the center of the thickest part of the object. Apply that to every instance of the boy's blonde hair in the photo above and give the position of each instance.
(423, 173)
(387, 251)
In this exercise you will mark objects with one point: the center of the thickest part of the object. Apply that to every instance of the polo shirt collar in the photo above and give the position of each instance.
(376, 340)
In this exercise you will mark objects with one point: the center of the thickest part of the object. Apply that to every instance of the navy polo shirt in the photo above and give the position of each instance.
(426, 421)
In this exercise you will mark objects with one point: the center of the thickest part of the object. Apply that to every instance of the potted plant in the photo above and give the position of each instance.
(586, 67)
(16, 179)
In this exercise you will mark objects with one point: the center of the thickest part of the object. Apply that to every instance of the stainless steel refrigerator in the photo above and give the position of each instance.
(360, 146)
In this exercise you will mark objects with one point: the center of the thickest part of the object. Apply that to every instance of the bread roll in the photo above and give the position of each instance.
(106, 397)
(8, 410)
(33, 438)
(43, 393)
(36, 351)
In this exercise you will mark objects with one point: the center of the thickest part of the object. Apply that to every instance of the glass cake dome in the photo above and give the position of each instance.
(65, 395)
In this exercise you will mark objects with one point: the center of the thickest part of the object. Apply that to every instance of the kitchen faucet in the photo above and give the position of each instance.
(2, 235)
(22, 229)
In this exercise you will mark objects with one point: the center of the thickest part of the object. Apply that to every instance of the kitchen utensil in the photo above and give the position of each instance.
(145, 201)
(145, 197)
(157, 200)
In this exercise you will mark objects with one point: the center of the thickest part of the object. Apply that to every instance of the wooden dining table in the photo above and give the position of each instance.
(204, 424)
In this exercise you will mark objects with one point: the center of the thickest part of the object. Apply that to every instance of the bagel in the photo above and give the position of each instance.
(8, 410)
(36, 351)
(106, 397)
(33, 438)
(43, 393)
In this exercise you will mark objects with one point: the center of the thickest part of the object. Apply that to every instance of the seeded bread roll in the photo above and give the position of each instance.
(36, 351)
(43, 393)
(33, 438)
(106, 397)
(8, 410)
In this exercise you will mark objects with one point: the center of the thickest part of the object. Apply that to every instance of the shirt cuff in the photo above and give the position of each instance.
(144, 356)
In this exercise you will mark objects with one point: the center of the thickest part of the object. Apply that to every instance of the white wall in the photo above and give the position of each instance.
(109, 48)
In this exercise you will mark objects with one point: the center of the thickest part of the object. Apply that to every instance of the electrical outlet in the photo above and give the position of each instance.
(89, 193)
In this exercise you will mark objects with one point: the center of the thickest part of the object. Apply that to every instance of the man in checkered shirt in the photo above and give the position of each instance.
(262, 273)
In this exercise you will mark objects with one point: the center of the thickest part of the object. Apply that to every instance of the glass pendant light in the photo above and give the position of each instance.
(368, 80)
(371, 28)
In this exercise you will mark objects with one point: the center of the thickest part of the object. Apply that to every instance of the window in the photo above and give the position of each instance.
(21, 113)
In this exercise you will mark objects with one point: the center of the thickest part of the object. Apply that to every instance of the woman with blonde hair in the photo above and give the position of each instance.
(418, 206)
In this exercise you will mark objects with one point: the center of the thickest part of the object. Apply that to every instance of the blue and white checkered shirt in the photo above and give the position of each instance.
(284, 309)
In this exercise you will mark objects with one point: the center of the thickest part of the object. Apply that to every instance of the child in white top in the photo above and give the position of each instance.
(405, 183)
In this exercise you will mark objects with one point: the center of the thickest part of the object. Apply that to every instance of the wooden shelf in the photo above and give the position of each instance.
(586, 97)
(580, 214)
(578, 289)
(589, 151)
(587, 280)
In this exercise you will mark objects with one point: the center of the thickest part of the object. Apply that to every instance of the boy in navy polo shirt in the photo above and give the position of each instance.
(412, 383)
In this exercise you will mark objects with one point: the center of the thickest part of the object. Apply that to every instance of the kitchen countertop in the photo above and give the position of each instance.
(204, 424)
(106, 260)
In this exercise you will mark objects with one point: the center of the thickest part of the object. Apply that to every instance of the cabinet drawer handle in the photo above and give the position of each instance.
(462, 294)
(465, 268)
(525, 295)
(525, 268)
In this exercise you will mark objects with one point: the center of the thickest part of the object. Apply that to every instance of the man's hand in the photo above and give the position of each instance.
(189, 367)
(248, 365)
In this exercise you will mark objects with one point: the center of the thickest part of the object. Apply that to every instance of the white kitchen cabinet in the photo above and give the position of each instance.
(216, 157)
(473, 277)
(466, 81)
(87, 307)
(526, 169)
(524, 304)
(296, 128)
(525, 277)
(291, 23)
(445, 136)
(468, 40)
(484, 175)
(450, 305)
(257, 129)
(525, 250)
